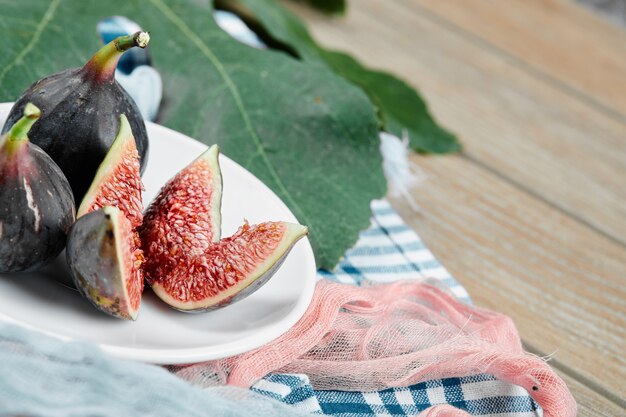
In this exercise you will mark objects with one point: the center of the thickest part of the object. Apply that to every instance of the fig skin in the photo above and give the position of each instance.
(36, 205)
(94, 255)
(81, 109)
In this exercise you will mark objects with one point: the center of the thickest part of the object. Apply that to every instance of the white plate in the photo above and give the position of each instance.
(162, 335)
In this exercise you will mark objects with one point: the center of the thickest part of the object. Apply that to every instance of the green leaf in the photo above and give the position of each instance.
(327, 6)
(400, 107)
(307, 133)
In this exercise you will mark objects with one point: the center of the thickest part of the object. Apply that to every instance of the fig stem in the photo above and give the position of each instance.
(19, 131)
(101, 66)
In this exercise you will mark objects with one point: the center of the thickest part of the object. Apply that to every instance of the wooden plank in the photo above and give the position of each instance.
(534, 134)
(590, 403)
(562, 283)
(557, 38)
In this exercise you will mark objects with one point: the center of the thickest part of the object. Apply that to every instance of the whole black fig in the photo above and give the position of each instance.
(36, 204)
(81, 111)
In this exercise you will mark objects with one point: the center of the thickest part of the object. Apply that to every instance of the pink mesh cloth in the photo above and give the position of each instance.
(380, 336)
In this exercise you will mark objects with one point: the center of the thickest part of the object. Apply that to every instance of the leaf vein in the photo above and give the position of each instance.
(33, 41)
(169, 14)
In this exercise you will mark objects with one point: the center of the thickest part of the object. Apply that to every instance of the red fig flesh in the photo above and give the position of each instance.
(104, 262)
(227, 272)
(117, 182)
(187, 265)
(115, 193)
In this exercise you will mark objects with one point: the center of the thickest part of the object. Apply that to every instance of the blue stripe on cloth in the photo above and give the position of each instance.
(290, 389)
(343, 403)
(392, 405)
(388, 269)
(347, 409)
(505, 405)
(386, 230)
(453, 392)
(419, 395)
(386, 250)
(348, 269)
(384, 211)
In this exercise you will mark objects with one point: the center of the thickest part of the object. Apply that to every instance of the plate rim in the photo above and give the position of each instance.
(200, 354)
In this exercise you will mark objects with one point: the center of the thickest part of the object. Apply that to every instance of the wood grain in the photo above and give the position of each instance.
(532, 217)
(590, 403)
(560, 281)
(528, 131)
(556, 38)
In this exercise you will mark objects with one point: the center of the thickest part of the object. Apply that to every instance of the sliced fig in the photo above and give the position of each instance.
(81, 109)
(36, 204)
(227, 272)
(193, 197)
(117, 182)
(187, 265)
(104, 262)
(116, 186)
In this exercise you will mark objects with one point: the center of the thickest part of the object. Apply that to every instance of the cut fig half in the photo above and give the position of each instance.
(187, 265)
(229, 270)
(116, 186)
(104, 262)
(118, 181)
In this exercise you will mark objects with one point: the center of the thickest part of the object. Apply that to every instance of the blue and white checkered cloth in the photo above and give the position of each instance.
(389, 250)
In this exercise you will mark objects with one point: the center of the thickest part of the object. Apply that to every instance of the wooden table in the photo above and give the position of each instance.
(531, 216)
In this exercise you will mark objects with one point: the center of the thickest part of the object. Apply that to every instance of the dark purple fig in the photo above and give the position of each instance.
(36, 204)
(81, 111)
